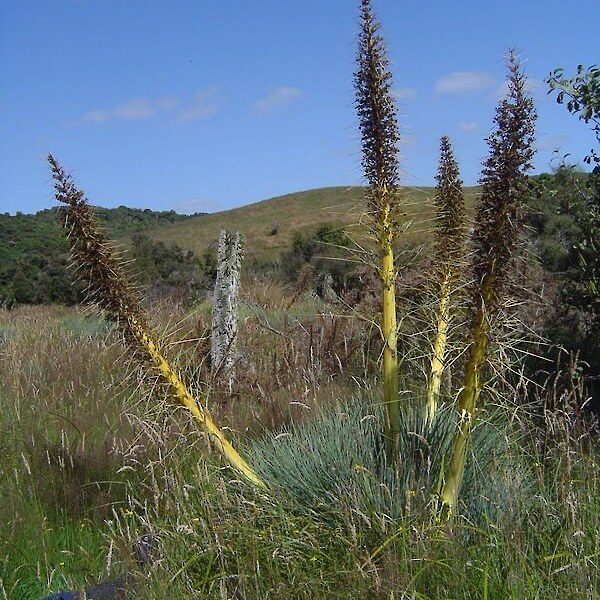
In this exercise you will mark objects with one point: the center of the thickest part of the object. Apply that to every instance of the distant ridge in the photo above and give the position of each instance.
(34, 253)
(269, 225)
(23, 236)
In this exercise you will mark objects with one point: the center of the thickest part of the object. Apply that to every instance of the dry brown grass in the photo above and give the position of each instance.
(300, 212)
(296, 352)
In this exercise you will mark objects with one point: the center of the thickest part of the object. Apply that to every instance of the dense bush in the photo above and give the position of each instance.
(563, 217)
(170, 271)
(323, 254)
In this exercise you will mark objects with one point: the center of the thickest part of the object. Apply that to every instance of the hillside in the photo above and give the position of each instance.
(34, 251)
(173, 247)
(24, 235)
(298, 212)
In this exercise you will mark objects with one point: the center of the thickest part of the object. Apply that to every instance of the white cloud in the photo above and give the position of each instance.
(468, 126)
(205, 103)
(401, 93)
(167, 103)
(464, 81)
(136, 108)
(279, 96)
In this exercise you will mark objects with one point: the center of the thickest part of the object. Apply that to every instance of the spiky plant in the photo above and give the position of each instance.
(379, 132)
(449, 251)
(495, 239)
(337, 460)
(108, 287)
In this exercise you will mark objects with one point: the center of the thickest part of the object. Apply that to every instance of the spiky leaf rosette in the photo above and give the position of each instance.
(377, 112)
(108, 287)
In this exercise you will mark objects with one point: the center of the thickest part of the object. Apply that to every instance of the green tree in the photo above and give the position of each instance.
(582, 95)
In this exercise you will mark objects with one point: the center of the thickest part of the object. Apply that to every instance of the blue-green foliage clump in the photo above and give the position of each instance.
(336, 463)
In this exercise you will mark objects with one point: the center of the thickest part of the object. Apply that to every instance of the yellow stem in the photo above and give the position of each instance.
(390, 349)
(468, 399)
(438, 353)
(185, 398)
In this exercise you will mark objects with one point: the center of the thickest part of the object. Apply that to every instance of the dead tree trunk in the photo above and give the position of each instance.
(224, 315)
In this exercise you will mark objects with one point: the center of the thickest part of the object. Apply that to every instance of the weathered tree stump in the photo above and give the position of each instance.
(224, 314)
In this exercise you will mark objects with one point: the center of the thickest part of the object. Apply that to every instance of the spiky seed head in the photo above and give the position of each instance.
(504, 183)
(106, 283)
(376, 108)
(450, 203)
(109, 288)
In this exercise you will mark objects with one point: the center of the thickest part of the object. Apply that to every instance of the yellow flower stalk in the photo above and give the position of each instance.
(107, 286)
(449, 250)
(495, 238)
(438, 350)
(379, 132)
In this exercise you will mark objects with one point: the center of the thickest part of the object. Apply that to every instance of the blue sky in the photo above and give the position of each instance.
(204, 105)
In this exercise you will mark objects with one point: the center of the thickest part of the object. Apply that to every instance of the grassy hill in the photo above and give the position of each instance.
(297, 212)
(34, 251)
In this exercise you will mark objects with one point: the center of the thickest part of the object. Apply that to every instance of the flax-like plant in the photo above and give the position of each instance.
(108, 287)
(495, 239)
(449, 252)
(379, 132)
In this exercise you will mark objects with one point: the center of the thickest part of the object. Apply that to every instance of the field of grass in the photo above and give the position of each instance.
(92, 457)
(300, 212)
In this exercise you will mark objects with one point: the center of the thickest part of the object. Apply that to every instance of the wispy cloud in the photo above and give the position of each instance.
(206, 103)
(402, 93)
(464, 81)
(136, 108)
(468, 126)
(279, 96)
(167, 103)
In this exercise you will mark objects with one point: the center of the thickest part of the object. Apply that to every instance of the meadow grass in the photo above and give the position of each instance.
(86, 468)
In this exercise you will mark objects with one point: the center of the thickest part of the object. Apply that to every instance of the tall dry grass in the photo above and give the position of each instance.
(77, 495)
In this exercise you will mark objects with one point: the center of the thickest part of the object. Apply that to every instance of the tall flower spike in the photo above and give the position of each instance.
(379, 133)
(107, 286)
(495, 239)
(449, 251)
